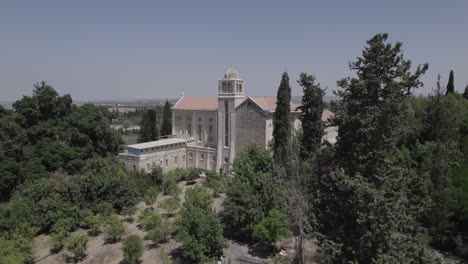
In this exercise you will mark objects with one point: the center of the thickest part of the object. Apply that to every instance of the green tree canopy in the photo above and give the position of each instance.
(199, 228)
(281, 122)
(253, 191)
(148, 127)
(311, 115)
(450, 85)
(166, 126)
(132, 248)
(367, 211)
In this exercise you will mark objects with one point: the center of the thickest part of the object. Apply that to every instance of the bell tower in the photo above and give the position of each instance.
(230, 95)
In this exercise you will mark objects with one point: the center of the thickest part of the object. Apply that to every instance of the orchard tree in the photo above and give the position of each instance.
(170, 205)
(281, 122)
(77, 244)
(132, 248)
(166, 126)
(114, 228)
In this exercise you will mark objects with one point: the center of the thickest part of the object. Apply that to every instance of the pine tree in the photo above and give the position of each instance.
(166, 126)
(441, 135)
(281, 122)
(311, 115)
(450, 85)
(366, 217)
(465, 94)
(148, 127)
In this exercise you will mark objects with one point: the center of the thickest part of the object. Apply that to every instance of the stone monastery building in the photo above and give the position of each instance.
(208, 132)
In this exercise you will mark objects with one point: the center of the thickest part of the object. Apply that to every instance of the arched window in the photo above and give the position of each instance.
(210, 133)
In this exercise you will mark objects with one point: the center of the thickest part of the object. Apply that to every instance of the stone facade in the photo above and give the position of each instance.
(212, 130)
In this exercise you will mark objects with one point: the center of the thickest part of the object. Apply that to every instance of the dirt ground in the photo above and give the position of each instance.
(99, 252)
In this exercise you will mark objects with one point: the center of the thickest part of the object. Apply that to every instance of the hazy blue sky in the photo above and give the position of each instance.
(158, 49)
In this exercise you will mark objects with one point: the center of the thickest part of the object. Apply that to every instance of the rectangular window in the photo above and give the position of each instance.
(226, 124)
(200, 138)
(175, 160)
(183, 158)
(167, 162)
(210, 133)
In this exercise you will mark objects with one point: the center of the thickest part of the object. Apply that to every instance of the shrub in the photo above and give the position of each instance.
(272, 228)
(170, 205)
(200, 232)
(157, 175)
(94, 222)
(132, 248)
(58, 240)
(192, 175)
(214, 182)
(128, 211)
(60, 231)
(151, 195)
(105, 208)
(114, 228)
(160, 232)
(199, 197)
(16, 246)
(77, 245)
(173, 189)
(149, 220)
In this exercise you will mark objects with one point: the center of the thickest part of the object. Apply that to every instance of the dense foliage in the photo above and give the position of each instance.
(149, 130)
(166, 125)
(311, 115)
(132, 248)
(198, 227)
(369, 194)
(253, 191)
(46, 132)
(281, 122)
(450, 86)
(44, 202)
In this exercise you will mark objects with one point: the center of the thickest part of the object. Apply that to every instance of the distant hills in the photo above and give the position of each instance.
(142, 102)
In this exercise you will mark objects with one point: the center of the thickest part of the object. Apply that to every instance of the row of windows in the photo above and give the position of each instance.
(148, 165)
(202, 157)
(162, 147)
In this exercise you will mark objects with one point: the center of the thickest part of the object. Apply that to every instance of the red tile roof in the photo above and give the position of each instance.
(211, 103)
(197, 103)
(269, 103)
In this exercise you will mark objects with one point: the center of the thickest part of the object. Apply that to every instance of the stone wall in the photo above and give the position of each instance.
(167, 159)
(197, 121)
(250, 126)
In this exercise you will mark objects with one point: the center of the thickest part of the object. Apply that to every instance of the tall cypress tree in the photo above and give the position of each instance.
(367, 217)
(148, 127)
(166, 126)
(281, 122)
(450, 85)
(465, 94)
(311, 115)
